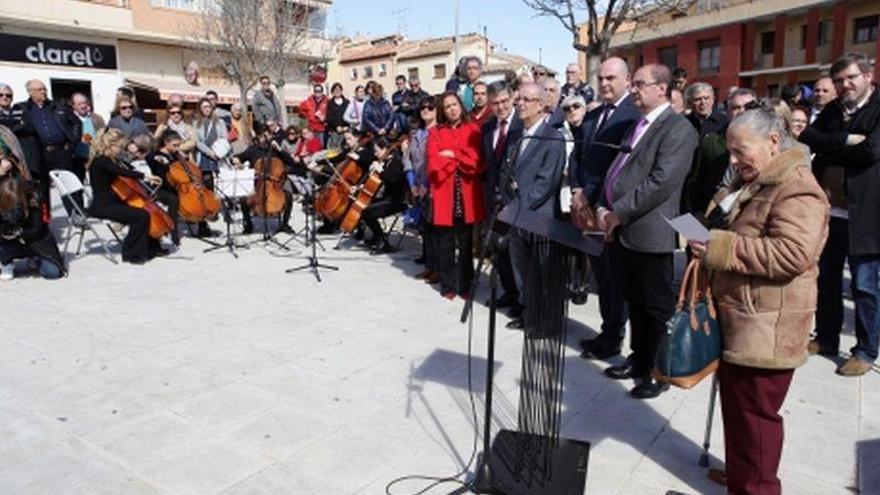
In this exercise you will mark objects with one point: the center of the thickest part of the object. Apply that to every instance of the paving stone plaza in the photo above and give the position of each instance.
(203, 374)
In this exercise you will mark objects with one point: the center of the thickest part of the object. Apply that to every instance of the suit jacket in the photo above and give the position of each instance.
(827, 138)
(590, 162)
(537, 170)
(487, 154)
(649, 185)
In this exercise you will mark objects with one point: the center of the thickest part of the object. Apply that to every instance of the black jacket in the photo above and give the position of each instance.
(827, 139)
(715, 123)
(493, 163)
(27, 137)
(336, 114)
(33, 232)
(67, 120)
(102, 171)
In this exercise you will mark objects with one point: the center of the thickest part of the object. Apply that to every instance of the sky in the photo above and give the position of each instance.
(510, 24)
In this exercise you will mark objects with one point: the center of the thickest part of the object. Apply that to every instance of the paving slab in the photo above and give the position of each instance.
(204, 374)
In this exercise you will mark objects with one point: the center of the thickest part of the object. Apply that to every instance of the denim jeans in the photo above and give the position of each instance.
(12, 250)
(866, 294)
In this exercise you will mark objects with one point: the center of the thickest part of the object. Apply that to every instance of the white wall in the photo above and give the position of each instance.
(103, 82)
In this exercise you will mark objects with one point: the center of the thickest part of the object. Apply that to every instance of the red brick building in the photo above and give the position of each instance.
(762, 44)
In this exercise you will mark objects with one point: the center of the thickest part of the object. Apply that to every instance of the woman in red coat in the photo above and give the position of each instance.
(455, 178)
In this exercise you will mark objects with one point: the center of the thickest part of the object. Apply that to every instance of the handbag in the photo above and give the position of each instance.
(691, 347)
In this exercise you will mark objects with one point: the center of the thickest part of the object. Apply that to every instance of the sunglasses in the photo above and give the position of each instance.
(5, 95)
(568, 108)
(173, 112)
(427, 107)
(127, 107)
(539, 73)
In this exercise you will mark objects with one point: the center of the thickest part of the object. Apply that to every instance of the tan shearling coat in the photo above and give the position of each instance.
(766, 265)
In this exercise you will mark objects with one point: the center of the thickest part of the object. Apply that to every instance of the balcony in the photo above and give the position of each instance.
(125, 4)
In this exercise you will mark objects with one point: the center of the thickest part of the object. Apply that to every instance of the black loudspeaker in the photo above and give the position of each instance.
(528, 464)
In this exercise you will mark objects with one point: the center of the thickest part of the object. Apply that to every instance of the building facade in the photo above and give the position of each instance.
(95, 46)
(433, 60)
(761, 44)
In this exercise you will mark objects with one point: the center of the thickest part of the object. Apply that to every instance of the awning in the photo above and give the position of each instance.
(227, 94)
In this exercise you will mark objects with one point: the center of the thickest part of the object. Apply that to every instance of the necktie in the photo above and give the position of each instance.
(606, 112)
(620, 161)
(502, 139)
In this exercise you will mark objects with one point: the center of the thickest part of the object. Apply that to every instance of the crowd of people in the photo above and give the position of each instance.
(772, 179)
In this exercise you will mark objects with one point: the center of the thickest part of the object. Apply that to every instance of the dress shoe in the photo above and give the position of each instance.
(648, 388)
(422, 275)
(717, 476)
(420, 260)
(286, 229)
(515, 324)
(327, 228)
(814, 348)
(448, 294)
(504, 301)
(621, 371)
(854, 367)
(600, 351)
(433, 279)
(159, 252)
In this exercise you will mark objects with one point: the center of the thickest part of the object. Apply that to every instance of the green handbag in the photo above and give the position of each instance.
(691, 347)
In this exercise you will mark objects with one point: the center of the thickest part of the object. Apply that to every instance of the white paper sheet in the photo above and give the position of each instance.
(689, 227)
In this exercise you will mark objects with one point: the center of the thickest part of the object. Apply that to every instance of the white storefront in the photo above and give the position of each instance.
(65, 63)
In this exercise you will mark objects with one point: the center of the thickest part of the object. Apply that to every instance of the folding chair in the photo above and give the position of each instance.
(78, 220)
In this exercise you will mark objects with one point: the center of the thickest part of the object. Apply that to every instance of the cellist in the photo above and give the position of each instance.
(160, 161)
(390, 200)
(266, 147)
(106, 164)
(353, 148)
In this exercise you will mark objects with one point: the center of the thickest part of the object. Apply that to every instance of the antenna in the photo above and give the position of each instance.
(400, 15)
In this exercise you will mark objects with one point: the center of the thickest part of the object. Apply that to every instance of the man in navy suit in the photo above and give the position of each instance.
(594, 151)
(500, 132)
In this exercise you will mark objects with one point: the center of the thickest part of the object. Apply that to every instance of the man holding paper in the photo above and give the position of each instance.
(641, 190)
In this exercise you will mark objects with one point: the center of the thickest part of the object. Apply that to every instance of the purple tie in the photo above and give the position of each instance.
(620, 161)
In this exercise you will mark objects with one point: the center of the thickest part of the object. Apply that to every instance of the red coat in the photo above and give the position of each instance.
(315, 113)
(464, 141)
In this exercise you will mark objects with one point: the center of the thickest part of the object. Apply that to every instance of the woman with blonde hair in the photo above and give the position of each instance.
(125, 120)
(106, 165)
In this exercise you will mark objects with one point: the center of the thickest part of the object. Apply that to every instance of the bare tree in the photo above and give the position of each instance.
(603, 19)
(246, 39)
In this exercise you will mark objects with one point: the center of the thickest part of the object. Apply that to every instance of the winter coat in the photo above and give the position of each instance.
(315, 113)
(464, 141)
(765, 265)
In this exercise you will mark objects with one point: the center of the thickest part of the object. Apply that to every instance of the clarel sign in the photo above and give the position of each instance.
(56, 52)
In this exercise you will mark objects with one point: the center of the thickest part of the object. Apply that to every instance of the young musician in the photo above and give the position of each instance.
(23, 233)
(355, 150)
(262, 148)
(160, 161)
(105, 166)
(390, 199)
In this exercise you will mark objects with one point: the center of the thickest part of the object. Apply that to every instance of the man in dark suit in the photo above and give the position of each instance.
(641, 188)
(499, 133)
(536, 163)
(57, 128)
(591, 157)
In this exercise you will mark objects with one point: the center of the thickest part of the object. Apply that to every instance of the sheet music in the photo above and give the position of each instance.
(235, 183)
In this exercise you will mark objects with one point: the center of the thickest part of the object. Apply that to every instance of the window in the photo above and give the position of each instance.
(440, 71)
(768, 42)
(383, 70)
(804, 37)
(710, 56)
(668, 56)
(368, 72)
(354, 73)
(412, 72)
(193, 5)
(866, 29)
(826, 30)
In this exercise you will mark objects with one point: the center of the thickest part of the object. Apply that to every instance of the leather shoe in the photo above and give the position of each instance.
(504, 301)
(621, 371)
(648, 388)
(515, 324)
(600, 351)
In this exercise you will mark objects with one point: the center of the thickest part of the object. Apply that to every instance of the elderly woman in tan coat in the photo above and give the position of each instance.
(768, 230)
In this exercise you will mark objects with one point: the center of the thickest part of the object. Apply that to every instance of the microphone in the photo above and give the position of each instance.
(623, 148)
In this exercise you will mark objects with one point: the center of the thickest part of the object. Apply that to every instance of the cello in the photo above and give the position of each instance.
(133, 194)
(366, 193)
(197, 203)
(333, 199)
(268, 198)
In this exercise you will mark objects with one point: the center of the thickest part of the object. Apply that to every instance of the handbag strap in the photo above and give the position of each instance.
(685, 283)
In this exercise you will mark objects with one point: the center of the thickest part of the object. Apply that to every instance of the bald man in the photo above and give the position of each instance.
(824, 93)
(603, 128)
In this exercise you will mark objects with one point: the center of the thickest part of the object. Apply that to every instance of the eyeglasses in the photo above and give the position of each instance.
(126, 107)
(643, 84)
(569, 108)
(542, 73)
(846, 78)
(525, 99)
(5, 95)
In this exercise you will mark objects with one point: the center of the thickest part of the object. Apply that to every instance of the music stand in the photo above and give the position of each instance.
(264, 199)
(306, 188)
(236, 184)
(312, 229)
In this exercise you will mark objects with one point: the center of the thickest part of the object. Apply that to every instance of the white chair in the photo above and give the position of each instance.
(78, 220)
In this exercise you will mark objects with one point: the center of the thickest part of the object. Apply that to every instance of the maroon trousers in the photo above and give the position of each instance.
(750, 403)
